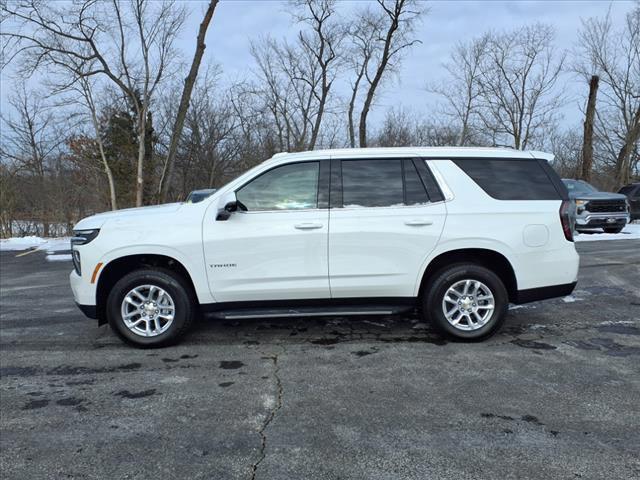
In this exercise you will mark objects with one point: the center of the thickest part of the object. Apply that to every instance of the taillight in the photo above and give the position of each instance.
(566, 219)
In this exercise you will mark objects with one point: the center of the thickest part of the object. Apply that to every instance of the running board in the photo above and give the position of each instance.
(246, 313)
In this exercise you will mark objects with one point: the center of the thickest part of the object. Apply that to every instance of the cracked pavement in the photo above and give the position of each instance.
(553, 395)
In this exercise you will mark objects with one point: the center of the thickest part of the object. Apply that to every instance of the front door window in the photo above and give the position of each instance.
(289, 187)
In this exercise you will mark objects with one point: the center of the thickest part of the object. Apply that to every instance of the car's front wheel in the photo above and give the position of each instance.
(466, 301)
(150, 308)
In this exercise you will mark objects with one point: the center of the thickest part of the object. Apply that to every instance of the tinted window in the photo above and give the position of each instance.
(628, 191)
(289, 187)
(372, 183)
(579, 186)
(415, 192)
(510, 179)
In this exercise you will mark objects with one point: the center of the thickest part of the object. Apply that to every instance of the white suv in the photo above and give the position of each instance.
(457, 233)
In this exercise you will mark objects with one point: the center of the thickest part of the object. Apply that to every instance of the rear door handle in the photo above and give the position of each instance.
(418, 223)
(308, 226)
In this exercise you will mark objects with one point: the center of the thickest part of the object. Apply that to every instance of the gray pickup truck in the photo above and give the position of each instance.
(595, 209)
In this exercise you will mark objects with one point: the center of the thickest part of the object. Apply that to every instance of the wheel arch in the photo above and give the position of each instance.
(115, 269)
(490, 259)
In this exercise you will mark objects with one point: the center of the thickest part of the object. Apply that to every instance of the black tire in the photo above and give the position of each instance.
(436, 288)
(613, 230)
(174, 285)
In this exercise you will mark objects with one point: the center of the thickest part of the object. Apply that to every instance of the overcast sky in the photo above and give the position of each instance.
(236, 22)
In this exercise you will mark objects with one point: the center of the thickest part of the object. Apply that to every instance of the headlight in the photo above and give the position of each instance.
(82, 237)
(581, 203)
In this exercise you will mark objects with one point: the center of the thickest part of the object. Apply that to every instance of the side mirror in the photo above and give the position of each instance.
(230, 205)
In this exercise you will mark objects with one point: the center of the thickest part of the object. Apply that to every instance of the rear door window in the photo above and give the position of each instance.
(372, 183)
(415, 193)
(510, 179)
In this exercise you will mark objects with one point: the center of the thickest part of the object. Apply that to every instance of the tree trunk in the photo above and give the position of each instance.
(587, 142)
(142, 134)
(352, 102)
(105, 164)
(189, 82)
(384, 60)
(318, 122)
(623, 170)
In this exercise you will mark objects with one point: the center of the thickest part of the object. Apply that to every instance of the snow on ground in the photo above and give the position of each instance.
(22, 243)
(50, 245)
(630, 232)
(59, 258)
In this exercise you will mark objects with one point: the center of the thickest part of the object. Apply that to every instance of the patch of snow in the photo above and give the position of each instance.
(58, 258)
(50, 245)
(569, 299)
(630, 232)
(21, 243)
(57, 245)
(518, 307)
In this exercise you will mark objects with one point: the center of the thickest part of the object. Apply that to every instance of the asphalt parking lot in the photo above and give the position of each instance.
(554, 395)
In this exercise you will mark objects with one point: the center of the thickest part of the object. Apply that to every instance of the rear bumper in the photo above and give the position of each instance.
(544, 293)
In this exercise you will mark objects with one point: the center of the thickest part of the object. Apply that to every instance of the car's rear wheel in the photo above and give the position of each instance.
(466, 301)
(613, 230)
(150, 308)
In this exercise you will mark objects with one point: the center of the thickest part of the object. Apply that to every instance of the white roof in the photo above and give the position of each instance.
(431, 152)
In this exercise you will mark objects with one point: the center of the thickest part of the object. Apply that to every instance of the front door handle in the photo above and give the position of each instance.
(418, 223)
(308, 226)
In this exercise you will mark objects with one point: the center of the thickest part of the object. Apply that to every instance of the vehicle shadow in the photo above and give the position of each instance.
(320, 331)
(323, 331)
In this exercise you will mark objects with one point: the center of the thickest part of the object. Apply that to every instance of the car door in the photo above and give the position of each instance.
(277, 248)
(382, 226)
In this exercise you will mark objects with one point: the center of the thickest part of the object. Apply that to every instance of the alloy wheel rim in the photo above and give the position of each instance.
(147, 310)
(468, 304)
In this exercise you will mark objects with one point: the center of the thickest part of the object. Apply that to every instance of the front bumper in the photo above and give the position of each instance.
(602, 220)
(84, 292)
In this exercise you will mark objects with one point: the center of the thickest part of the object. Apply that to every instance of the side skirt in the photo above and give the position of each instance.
(310, 307)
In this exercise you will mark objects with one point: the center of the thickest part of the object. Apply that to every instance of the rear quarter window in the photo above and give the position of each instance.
(506, 179)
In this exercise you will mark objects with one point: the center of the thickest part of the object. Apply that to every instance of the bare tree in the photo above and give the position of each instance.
(614, 55)
(363, 34)
(69, 78)
(518, 82)
(294, 79)
(462, 89)
(587, 143)
(402, 129)
(129, 43)
(86, 90)
(288, 79)
(322, 45)
(400, 17)
(189, 82)
(30, 141)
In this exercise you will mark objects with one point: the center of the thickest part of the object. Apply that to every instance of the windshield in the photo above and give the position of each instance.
(579, 186)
